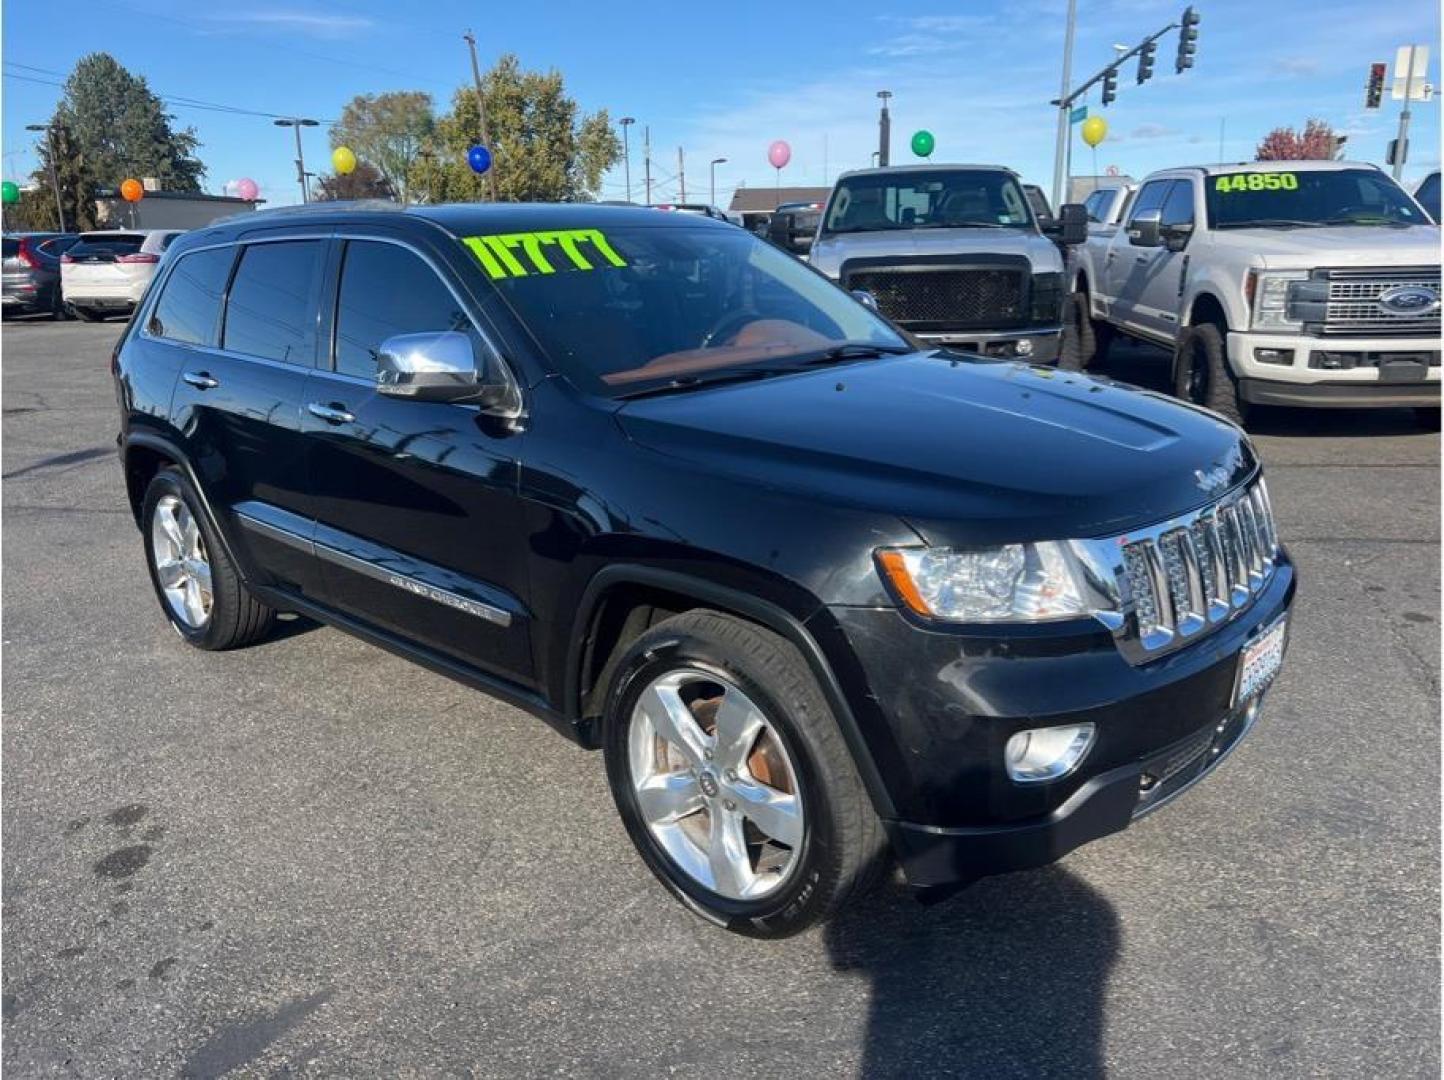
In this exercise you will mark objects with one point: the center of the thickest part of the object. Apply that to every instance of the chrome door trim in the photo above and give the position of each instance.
(377, 572)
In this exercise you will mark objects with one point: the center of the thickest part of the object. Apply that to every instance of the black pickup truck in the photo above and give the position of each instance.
(820, 597)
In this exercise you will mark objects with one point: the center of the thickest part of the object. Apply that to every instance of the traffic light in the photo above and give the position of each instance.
(1110, 85)
(1374, 93)
(1187, 36)
(1145, 62)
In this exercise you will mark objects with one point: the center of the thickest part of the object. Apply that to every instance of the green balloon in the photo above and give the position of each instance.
(923, 143)
(9, 192)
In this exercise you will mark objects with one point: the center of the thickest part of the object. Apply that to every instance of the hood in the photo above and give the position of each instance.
(1349, 245)
(829, 253)
(967, 451)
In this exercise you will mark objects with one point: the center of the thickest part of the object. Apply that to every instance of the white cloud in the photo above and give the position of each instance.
(310, 23)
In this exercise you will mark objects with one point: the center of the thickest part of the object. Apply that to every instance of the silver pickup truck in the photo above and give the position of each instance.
(1272, 283)
(953, 254)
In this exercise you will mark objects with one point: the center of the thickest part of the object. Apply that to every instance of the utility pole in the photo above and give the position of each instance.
(481, 114)
(681, 176)
(626, 122)
(1060, 150)
(49, 130)
(884, 128)
(647, 160)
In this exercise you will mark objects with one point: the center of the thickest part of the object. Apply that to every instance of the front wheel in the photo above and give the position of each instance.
(732, 778)
(1079, 343)
(1201, 373)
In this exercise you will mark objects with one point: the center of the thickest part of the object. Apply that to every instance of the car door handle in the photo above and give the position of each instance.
(201, 380)
(1142, 259)
(332, 414)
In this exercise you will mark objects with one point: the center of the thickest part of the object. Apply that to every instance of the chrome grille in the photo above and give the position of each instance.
(1353, 301)
(1178, 579)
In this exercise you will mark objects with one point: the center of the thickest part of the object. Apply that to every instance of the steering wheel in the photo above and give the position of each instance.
(1357, 211)
(732, 322)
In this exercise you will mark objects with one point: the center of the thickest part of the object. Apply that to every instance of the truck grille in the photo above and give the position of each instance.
(1353, 302)
(1176, 580)
(947, 298)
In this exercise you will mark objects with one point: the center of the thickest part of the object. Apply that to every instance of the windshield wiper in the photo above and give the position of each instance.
(685, 383)
(1270, 223)
(856, 350)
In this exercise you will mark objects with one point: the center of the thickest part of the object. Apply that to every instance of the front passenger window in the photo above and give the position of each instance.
(388, 290)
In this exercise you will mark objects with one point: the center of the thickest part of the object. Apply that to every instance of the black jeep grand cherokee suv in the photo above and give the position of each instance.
(816, 594)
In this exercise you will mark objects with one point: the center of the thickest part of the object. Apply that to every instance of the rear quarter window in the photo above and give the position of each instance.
(189, 307)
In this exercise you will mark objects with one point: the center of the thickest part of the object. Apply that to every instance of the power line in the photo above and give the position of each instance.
(179, 101)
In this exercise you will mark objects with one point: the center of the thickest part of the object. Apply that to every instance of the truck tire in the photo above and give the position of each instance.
(199, 589)
(1076, 348)
(732, 778)
(1201, 373)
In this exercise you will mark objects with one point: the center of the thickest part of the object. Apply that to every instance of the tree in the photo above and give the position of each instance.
(387, 130)
(363, 182)
(77, 180)
(542, 150)
(1317, 143)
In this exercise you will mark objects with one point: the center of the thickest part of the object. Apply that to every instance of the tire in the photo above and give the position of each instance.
(59, 311)
(799, 749)
(87, 314)
(233, 617)
(1079, 343)
(1201, 373)
(1427, 417)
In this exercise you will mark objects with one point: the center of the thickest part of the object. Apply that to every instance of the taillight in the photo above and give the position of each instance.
(139, 257)
(25, 255)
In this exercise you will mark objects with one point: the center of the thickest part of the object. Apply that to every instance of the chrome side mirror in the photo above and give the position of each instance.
(438, 366)
(865, 298)
(1145, 230)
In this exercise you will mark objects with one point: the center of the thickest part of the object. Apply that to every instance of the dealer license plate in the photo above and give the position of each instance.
(1259, 661)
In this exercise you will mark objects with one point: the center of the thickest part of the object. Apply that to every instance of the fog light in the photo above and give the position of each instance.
(1274, 356)
(1047, 753)
(1023, 348)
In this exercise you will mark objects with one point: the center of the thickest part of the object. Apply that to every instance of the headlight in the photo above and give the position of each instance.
(1269, 294)
(1012, 583)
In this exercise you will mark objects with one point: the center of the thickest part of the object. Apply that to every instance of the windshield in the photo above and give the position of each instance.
(629, 307)
(1282, 199)
(945, 199)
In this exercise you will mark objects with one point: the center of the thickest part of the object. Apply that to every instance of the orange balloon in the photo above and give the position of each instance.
(132, 191)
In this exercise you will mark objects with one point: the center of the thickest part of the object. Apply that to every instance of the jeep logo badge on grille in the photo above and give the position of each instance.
(1409, 300)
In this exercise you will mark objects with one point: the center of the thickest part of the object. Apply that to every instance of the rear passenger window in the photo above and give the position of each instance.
(388, 290)
(271, 312)
(189, 308)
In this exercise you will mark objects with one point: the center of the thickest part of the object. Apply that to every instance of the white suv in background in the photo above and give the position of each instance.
(106, 272)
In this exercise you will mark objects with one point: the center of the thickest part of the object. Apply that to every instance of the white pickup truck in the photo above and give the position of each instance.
(1273, 283)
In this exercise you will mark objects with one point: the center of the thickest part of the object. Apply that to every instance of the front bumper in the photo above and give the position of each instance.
(1041, 347)
(1336, 371)
(946, 705)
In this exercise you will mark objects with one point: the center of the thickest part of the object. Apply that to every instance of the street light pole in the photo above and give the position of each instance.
(712, 170)
(626, 122)
(1060, 151)
(49, 130)
(884, 128)
(298, 123)
(1404, 115)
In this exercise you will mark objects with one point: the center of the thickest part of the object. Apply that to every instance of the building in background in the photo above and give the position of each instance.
(756, 204)
(167, 209)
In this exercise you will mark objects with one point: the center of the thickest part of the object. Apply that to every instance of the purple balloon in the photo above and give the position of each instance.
(779, 154)
(247, 189)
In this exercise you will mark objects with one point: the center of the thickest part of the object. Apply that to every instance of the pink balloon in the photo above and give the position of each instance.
(247, 188)
(779, 154)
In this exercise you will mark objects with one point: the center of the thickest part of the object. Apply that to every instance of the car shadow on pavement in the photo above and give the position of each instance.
(1007, 978)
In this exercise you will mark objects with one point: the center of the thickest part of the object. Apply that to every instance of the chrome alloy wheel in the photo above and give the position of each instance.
(715, 784)
(181, 564)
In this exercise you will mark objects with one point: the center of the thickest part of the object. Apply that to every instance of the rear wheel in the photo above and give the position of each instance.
(199, 589)
(87, 314)
(731, 776)
(1202, 376)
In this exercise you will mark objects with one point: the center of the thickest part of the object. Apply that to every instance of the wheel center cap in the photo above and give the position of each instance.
(709, 785)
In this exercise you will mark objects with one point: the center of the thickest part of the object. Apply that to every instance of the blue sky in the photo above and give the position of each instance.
(725, 82)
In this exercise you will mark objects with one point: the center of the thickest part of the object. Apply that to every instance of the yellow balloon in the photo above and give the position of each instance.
(343, 159)
(1095, 130)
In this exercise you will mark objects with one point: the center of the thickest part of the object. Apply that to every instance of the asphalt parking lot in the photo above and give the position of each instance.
(312, 858)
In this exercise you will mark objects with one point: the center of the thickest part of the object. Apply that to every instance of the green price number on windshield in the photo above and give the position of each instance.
(1257, 181)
